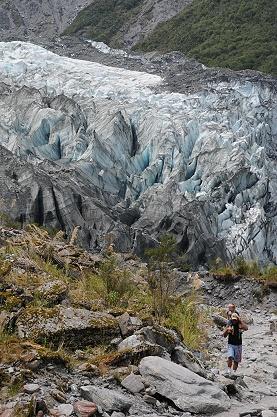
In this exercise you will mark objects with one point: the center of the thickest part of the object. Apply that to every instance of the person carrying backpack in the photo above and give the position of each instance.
(234, 331)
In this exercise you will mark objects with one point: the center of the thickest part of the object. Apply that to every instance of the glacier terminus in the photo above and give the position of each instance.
(112, 151)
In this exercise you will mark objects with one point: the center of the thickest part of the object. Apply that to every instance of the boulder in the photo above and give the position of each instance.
(220, 321)
(187, 390)
(138, 348)
(62, 410)
(161, 336)
(109, 400)
(74, 327)
(133, 383)
(184, 357)
(128, 324)
(52, 292)
(84, 408)
(88, 368)
(31, 388)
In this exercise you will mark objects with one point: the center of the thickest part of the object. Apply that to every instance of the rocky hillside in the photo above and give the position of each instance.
(136, 160)
(29, 19)
(81, 335)
(237, 34)
(123, 23)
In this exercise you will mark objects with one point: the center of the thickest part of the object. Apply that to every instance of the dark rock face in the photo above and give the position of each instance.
(98, 148)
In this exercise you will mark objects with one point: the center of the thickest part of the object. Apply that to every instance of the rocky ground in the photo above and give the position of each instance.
(64, 353)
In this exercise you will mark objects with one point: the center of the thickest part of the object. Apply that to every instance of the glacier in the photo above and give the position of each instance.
(110, 150)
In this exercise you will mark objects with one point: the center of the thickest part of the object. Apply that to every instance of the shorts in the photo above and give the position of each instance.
(235, 352)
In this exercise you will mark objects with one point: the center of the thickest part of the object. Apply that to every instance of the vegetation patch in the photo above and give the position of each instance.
(190, 321)
(238, 34)
(245, 268)
(103, 20)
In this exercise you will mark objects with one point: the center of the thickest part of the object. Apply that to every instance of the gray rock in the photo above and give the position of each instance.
(219, 320)
(252, 412)
(186, 358)
(31, 388)
(108, 400)
(116, 414)
(149, 399)
(128, 324)
(133, 383)
(187, 390)
(137, 347)
(161, 336)
(65, 409)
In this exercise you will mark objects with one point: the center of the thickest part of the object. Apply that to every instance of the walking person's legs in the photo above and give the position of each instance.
(230, 363)
(230, 358)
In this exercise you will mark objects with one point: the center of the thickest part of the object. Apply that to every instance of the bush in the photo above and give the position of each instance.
(269, 275)
(187, 318)
(247, 268)
(114, 283)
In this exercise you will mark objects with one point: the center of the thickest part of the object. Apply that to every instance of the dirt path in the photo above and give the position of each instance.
(259, 367)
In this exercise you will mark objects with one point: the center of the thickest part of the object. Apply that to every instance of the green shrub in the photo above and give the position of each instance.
(117, 284)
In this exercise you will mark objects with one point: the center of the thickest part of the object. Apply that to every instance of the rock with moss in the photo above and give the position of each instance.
(52, 292)
(9, 301)
(73, 327)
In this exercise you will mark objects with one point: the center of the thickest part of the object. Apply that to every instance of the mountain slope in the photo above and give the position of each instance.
(123, 22)
(24, 18)
(238, 34)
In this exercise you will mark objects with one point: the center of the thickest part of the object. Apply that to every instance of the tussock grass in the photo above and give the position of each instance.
(189, 320)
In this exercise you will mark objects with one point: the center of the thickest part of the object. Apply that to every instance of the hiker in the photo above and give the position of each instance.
(231, 309)
(234, 332)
